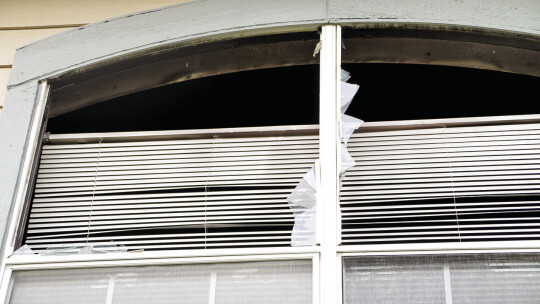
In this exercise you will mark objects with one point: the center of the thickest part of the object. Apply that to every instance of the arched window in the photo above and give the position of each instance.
(220, 159)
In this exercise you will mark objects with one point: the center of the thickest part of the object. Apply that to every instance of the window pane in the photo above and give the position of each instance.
(496, 280)
(60, 286)
(484, 278)
(391, 280)
(253, 282)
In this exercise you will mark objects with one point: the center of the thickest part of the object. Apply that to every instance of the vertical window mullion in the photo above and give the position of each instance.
(329, 154)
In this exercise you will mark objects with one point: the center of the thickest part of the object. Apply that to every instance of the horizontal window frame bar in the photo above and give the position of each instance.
(441, 248)
(279, 130)
(202, 256)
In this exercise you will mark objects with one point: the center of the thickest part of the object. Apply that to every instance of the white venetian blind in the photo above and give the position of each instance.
(478, 183)
(225, 189)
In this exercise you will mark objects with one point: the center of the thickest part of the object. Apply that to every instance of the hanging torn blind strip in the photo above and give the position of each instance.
(456, 184)
(221, 192)
(304, 195)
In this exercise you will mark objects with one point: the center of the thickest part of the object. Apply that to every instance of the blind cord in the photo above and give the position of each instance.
(93, 191)
(206, 190)
(451, 181)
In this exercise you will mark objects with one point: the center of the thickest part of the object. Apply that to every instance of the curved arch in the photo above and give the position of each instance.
(197, 22)
(140, 51)
(401, 43)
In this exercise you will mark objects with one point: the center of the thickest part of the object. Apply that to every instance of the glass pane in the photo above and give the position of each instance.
(228, 191)
(395, 280)
(496, 280)
(251, 282)
(483, 278)
(60, 286)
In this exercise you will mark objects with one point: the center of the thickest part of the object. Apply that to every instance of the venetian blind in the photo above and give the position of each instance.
(189, 193)
(457, 184)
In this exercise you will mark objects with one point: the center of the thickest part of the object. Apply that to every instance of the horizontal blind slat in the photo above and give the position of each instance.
(443, 184)
(234, 189)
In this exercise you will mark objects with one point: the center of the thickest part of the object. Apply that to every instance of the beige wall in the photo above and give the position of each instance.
(25, 21)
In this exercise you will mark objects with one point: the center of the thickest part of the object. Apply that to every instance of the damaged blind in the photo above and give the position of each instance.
(443, 185)
(222, 192)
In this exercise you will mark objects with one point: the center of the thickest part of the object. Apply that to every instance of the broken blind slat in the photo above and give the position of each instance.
(169, 194)
(443, 185)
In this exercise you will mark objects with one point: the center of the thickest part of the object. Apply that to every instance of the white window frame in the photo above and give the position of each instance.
(326, 256)
(24, 178)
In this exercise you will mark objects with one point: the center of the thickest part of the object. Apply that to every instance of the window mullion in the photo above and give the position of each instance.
(329, 154)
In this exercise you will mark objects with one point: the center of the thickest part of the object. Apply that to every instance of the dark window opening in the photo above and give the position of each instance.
(267, 97)
(407, 92)
(289, 96)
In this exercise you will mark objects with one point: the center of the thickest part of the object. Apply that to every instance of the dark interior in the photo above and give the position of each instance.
(289, 96)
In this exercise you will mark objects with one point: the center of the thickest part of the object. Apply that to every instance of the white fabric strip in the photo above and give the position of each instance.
(303, 199)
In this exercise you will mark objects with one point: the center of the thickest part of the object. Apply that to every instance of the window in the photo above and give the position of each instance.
(247, 282)
(170, 190)
(210, 208)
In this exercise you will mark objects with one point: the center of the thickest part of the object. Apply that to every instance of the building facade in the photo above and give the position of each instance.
(157, 151)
